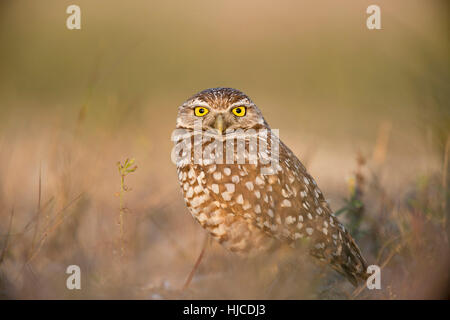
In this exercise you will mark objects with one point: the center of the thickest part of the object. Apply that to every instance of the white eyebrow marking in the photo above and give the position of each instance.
(243, 101)
(197, 102)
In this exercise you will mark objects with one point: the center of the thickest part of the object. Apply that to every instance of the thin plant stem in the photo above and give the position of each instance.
(124, 169)
(197, 263)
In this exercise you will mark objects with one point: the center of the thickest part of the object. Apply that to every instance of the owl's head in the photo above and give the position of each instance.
(220, 109)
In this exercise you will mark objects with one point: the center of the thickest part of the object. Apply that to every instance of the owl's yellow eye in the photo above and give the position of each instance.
(200, 111)
(239, 111)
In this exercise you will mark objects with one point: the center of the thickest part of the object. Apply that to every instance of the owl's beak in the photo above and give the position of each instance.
(218, 124)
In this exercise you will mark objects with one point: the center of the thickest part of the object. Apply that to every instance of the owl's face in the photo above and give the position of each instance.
(220, 110)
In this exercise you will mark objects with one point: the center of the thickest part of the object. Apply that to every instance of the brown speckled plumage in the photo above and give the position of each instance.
(249, 212)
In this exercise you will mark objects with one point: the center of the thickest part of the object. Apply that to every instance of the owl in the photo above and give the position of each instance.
(254, 194)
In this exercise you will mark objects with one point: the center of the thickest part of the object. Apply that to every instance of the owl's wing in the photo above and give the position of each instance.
(305, 213)
(288, 205)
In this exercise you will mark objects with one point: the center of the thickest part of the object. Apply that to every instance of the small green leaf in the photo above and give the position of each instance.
(130, 162)
(132, 169)
(340, 211)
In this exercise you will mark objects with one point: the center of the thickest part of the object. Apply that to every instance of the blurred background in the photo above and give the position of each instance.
(367, 111)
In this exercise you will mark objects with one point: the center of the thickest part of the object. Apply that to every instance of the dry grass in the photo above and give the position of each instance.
(75, 221)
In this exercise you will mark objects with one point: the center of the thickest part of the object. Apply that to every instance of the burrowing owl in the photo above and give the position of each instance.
(250, 204)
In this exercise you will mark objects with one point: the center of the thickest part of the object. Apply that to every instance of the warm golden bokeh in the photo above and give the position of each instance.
(73, 103)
